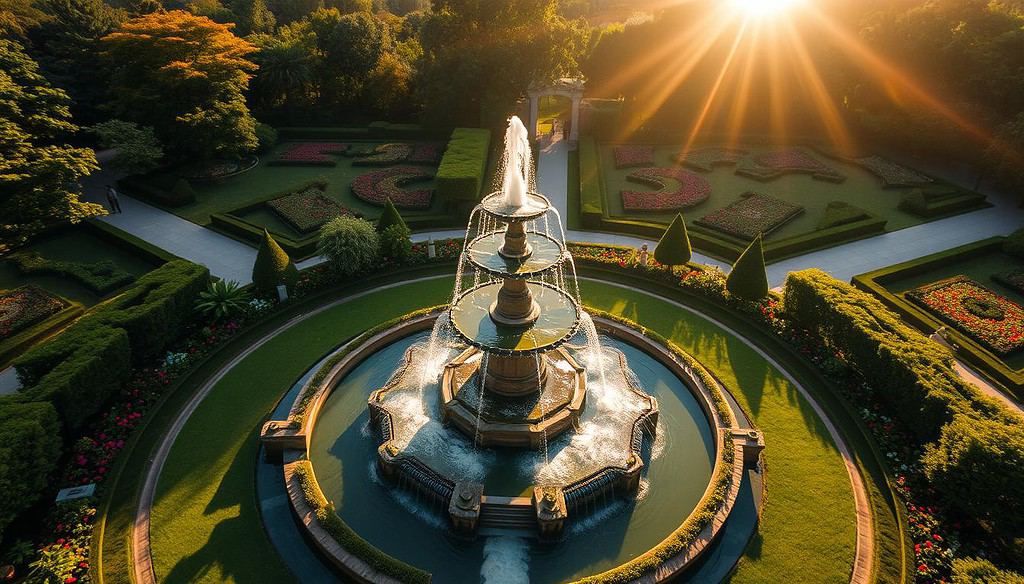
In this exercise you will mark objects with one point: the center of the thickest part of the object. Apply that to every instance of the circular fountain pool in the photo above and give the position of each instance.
(677, 471)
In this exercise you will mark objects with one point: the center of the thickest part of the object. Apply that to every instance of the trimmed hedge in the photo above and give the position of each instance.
(272, 267)
(82, 368)
(591, 191)
(30, 443)
(460, 177)
(674, 246)
(141, 187)
(748, 279)
(348, 539)
(981, 571)
(914, 374)
(101, 277)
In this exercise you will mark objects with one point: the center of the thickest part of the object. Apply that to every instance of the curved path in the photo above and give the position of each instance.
(141, 551)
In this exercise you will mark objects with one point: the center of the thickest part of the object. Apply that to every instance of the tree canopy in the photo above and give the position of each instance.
(185, 76)
(38, 175)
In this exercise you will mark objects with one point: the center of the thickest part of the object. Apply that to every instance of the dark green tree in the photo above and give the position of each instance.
(68, 43)
(273, 267)
(287, 65)
(350, 46)
(138, 150)
(748, 279)
(185, 76)
(390, 217)
(38, 175)
(253, 17)
(674, 247)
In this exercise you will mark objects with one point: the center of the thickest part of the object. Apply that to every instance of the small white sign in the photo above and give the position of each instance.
(72, 493)
(282, 292)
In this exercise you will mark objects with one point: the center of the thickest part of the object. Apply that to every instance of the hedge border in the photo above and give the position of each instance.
(988, 363)
(13, 347)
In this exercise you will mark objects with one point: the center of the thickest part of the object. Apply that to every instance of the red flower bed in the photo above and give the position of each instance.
(310, 153)
(308, 210)
(24, 307)
(892, 174)
(379, 186)
(706, 159)
(693, 189)
(771, 165)
(384, 155)
(991, 319)
(426, 153)
(755, 214)
(633, 156)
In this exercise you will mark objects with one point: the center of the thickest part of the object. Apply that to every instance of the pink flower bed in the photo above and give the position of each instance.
(24, 307)
(693, 189)
(706, 159)
(308, 210)
(755, 214)
(426, 153)
(771, 165)
(311, 153)
(633, 156)
(384, 155)
(993, 320)
(892, 174)
(379, 186)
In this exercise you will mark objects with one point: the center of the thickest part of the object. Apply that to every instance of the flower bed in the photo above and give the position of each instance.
(693, 189)
(308, 210)
(379, 186)
(25, 306)
(771, 165)
(991, 319)
(633, 156)
(384, 155)
(891, 173)
(1013, 280)
(706, 159)
(426, 153)
(755, 214)
(310, 154)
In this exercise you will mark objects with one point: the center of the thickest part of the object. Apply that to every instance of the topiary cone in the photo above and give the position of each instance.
(272, 267)
(390, 217)
(748, 278)
(674, 247)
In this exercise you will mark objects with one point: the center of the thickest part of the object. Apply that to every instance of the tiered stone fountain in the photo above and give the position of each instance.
(517, 382)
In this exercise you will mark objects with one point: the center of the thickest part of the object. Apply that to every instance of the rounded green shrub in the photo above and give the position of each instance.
(266, 137)
(674, 247)
(748, 279)
(979, 571)
(395, 243)
(273, 267)
(351, 245)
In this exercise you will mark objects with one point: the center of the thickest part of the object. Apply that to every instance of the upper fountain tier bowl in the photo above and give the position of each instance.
(498, 205)
(546, 253)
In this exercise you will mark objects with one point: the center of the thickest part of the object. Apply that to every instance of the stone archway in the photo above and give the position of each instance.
(566, 87)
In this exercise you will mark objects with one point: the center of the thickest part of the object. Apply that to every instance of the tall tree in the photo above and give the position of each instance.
(253, 17)
(38, 175)
(350, 46)
(185, 76)
(68, 43)
(480, 56)
(286, 67)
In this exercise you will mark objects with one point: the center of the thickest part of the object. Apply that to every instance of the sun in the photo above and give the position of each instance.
(763, 8)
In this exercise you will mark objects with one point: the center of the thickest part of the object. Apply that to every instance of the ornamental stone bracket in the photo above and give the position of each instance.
(752, 443)
(280, 435)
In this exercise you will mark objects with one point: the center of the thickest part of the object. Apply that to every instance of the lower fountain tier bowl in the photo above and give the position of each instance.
(523, 421)
(558, 321)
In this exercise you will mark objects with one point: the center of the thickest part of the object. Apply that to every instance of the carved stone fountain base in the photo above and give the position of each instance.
(523, 421)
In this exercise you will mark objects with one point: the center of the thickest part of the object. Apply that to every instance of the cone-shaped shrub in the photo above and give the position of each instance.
(390, 217)
(273, 267)
(748, 278)
(674, 248)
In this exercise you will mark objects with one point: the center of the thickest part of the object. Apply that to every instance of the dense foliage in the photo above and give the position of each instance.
(351, 245)
(461, 174)
(38, 175)
(185, 76)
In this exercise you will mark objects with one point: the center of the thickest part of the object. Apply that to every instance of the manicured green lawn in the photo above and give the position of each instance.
(266, 180)
(861, 189)
(205, 525)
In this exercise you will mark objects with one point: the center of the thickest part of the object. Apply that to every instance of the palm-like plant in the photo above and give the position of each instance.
(222, 300)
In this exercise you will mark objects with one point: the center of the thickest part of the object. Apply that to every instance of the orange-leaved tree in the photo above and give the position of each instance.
(185, 76)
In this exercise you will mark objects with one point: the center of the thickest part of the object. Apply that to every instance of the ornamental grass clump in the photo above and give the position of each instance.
(223, 300)
(351, 245)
